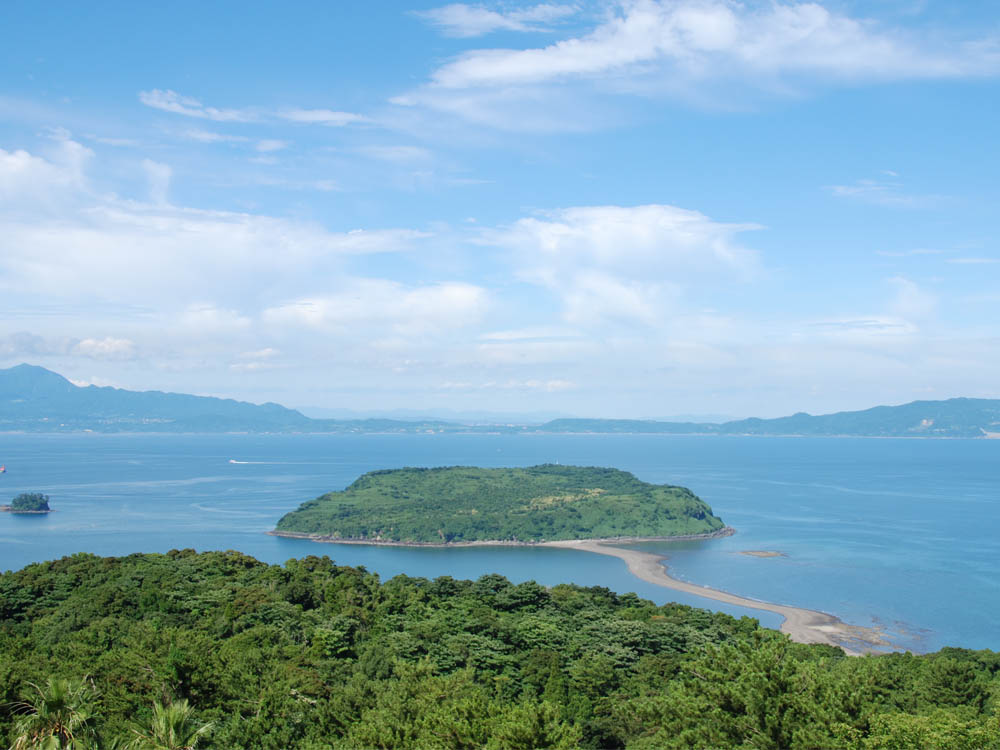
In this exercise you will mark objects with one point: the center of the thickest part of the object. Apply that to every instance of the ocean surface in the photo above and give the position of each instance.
(901, 533)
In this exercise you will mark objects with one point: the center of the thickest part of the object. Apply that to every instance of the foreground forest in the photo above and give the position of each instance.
(468, 503)
(312, 655)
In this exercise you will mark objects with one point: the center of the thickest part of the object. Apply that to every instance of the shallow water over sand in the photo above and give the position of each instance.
(898, 530)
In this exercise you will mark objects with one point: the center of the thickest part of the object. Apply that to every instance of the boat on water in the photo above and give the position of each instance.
(3, 468)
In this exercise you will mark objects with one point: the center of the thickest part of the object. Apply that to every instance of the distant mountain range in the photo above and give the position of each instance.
(33, 399)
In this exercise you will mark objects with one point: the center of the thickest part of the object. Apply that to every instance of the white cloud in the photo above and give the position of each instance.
(117, 142)
(386, 305)
(461, 20)
(329, 117)
(973, 261)
(532, 333)
(27, 344)
(61, 239)
(106, 348)
(910, 301)
(271, 144)
(908, 253)
(709, 38)
(171, 101)
(397, 154)
(881, 193)
(266, 353)
(621, 263)
(158, 176)
(531, 384)
(208, 136)
(711, 52)
(35, 180)
(209, 320)
(867, 331)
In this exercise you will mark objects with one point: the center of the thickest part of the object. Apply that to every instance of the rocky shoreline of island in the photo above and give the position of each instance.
(330, 539)
(10, 509)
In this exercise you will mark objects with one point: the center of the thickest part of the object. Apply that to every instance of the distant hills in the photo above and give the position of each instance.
(955, 417)
(33, 399)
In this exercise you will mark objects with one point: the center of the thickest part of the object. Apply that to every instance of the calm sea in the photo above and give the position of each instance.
(898, 532)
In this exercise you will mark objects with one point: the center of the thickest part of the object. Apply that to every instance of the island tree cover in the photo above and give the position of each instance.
(463, 504)
(312, 655)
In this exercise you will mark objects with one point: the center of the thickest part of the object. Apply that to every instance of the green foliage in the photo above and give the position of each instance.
(171, 727)
(30, 501)
(217, 650)
(463, 504)
(56, 715)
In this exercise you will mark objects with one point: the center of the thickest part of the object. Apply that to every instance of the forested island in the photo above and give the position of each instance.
(28, 502)
(464, 504)
(315, 656)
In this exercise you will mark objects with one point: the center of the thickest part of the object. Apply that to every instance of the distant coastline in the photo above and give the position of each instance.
(37, 400)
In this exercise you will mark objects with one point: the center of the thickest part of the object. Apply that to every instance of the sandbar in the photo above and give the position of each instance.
(801, 625)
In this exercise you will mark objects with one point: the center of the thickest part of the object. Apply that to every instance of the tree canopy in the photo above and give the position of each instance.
(220, 649)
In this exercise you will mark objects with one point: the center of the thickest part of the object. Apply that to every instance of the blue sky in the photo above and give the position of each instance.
(633, 209)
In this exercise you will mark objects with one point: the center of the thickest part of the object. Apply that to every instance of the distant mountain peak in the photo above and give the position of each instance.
(25, 379)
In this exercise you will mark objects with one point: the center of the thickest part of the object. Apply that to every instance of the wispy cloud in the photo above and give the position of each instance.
(973, 261)
(397, 154)
(268, 145)
(461, 20)
(703, 51)
(329, 117)
(908, 253)
(25, 344)
(533, 384)
(158, 176)
(112, 141)
(171, 101)
(712, 38)
(401, 308)
(208, 136)
(882, 193)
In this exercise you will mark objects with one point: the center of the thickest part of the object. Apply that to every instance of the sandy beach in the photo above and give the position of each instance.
(801, 625)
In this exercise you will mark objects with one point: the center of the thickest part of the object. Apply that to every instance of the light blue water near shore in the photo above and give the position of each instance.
(902, 532)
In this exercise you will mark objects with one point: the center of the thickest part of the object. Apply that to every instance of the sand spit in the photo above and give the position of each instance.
(762, 553)
(801, 625)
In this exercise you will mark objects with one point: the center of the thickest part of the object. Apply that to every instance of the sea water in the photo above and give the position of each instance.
(892, 532)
